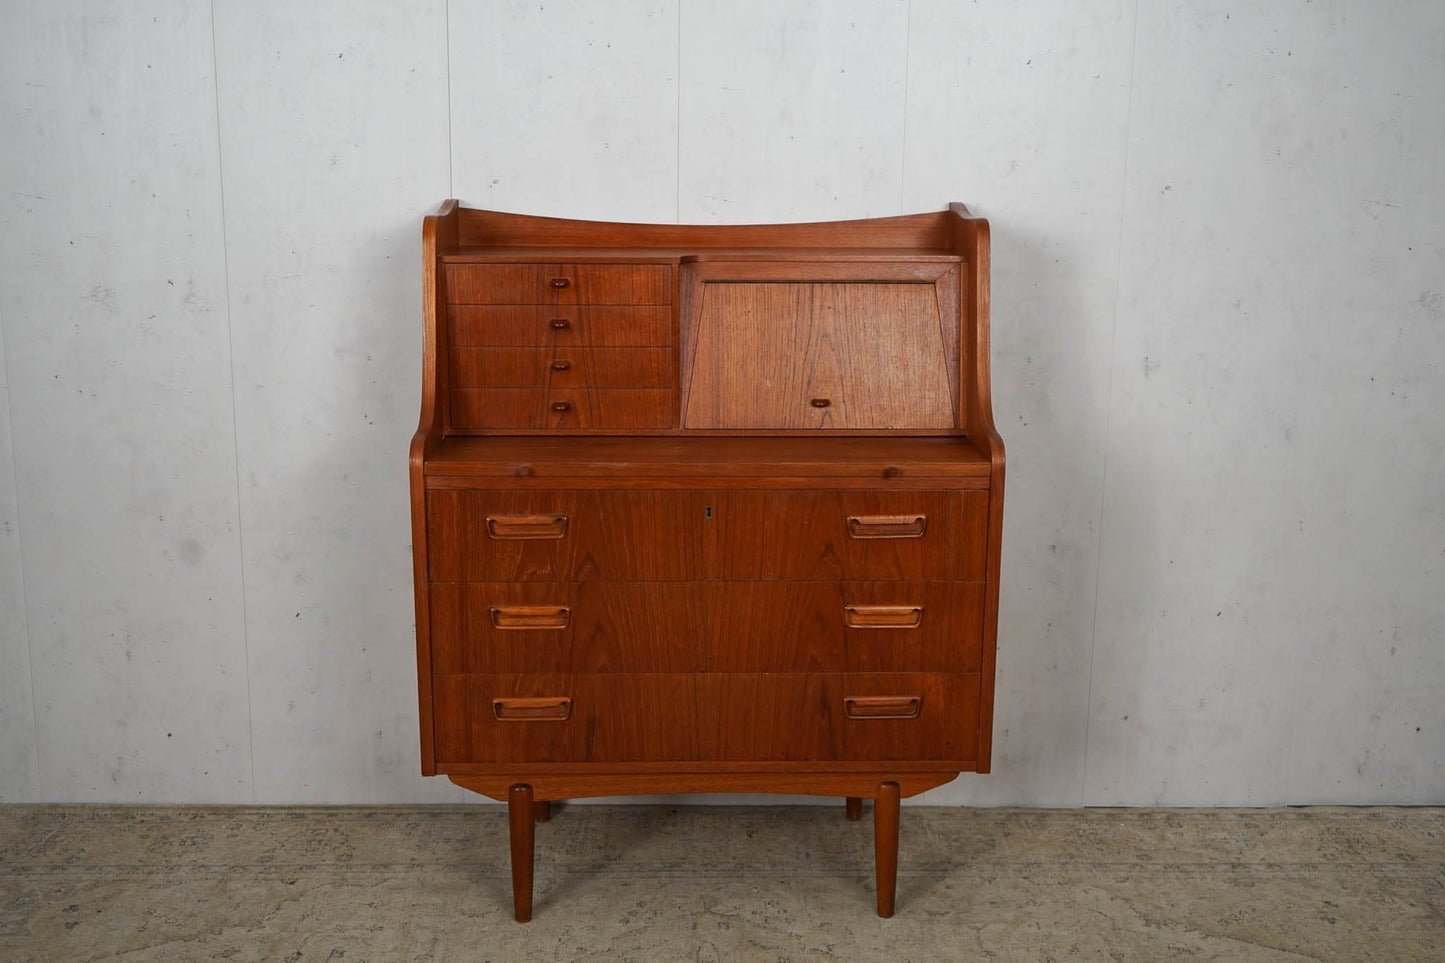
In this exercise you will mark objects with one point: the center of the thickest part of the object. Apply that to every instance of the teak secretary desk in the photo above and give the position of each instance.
(705, 509)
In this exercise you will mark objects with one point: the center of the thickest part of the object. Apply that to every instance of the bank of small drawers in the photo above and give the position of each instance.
(823, 625)
(561, 346)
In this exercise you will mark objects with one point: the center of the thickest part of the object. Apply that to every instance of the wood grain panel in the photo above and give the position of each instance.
(623, 779)
(610, 536)
(807, 537)
(558, 283)
(948, 637)
(632, 460)
(928, 231)
(613, 718)
(704, 717)
(562, 366)
(467, 729)
(770, 718)
(716, 626)
(708, 627)
(528, 325)
(464, 638)
(946, 726)
(648, 535)
(811, 355)
(559, 407)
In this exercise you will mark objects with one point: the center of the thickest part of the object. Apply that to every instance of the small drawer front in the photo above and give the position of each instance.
(559, 326)
(678, 535)
(558, 283)
(562, 366)
(557, 407)
(706, 717)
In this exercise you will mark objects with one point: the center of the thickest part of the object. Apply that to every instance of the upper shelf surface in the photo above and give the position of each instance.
(572, 253)
(670, 456)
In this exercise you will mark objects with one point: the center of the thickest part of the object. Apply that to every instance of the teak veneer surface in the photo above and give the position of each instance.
(883, 458)
(636, 255)
(705, 509)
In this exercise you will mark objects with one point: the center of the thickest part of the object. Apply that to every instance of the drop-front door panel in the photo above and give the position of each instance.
(774, 347)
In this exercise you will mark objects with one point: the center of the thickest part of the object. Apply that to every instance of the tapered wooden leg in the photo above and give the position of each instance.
(855, 808)
(520, 814)
(542, 811)
(885, 845)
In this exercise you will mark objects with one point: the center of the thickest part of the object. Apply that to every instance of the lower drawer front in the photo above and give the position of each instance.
(593, 627)
(663, 535)
(708, 717)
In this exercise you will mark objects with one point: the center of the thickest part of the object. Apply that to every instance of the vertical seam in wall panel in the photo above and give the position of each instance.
(677, 167)
(903, 140)
(24, 591)
(1109, 410)
(235, 431)
(451, 160)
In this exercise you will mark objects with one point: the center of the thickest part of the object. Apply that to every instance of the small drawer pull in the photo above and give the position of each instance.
(820, 402)
(544, 709)
(887, 526)
(561, 406)
(882, 616)
(526, 526)
(523, 617)
(559, 283)
(561, 365)
(883, 707)
(561, 324)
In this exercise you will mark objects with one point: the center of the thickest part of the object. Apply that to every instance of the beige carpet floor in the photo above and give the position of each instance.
(720, 883)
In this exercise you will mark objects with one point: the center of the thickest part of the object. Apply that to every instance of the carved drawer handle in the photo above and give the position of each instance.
(526, 526)
(559, 283)
(544, 709)
(820, 402)
(561, 365)
(887, 526)
(522, 617)
(882, 616)
(883, 707)
(561, 406)
(560, 324)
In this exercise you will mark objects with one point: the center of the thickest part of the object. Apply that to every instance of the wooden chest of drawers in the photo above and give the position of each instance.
(705, 509)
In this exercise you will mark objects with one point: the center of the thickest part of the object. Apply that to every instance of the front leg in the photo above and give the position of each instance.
(520, 815)
(885, 845)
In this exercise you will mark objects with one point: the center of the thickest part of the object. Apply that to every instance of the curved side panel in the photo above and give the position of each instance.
(438, 236)
(970, 238)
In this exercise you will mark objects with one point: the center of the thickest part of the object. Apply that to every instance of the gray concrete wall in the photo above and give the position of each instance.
(1219, 324)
